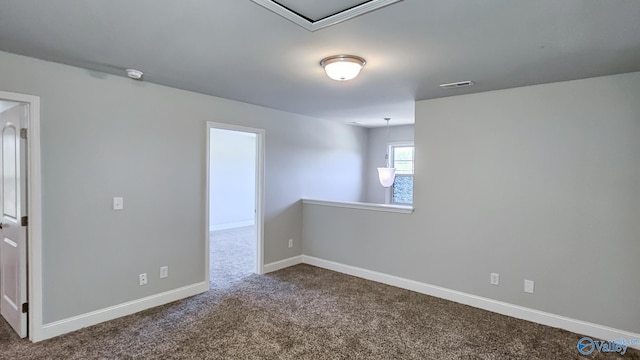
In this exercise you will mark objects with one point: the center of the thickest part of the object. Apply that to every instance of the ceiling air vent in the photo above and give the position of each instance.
(456, 85)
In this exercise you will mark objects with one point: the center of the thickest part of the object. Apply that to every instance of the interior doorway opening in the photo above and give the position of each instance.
(234, 203)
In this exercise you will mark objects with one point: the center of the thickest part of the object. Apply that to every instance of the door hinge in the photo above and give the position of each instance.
(23, 133)
(25, 308)
(24, 221)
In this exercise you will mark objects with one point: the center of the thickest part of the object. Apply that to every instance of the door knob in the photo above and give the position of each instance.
(1, 225)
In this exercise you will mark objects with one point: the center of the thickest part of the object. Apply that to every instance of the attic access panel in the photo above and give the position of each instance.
(314, 14)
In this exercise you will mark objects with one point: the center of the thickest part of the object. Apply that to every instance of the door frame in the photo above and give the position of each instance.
(34, 212)
(259, 193)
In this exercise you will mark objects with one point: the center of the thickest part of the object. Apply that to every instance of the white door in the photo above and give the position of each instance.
(13, 235)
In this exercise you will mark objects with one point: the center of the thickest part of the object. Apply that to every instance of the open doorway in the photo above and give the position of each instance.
(234, 183)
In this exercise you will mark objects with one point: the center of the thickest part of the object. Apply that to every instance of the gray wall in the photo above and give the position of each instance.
(377, 140)
(232, 189)
(539, 183)
(105, 136)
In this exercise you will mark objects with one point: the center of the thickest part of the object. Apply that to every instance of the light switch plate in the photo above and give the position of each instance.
(118, 203)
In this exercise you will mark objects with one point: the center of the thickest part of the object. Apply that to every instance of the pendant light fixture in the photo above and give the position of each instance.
(342, 67)
(387, 175)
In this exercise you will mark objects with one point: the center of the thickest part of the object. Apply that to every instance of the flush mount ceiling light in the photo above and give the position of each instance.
(134, 74)
(342, 67)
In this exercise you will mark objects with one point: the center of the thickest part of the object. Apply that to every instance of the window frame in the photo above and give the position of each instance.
(390, 147)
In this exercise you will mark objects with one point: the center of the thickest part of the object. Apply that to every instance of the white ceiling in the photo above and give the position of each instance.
(239, 50)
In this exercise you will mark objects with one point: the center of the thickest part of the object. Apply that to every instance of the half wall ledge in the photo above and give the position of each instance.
(402, 209)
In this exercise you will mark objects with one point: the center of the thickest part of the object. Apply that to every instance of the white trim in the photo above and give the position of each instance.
(402, 209)
(259, 217)
(328, 21)
(392, 144)
(260, 166)
(232, 225)
(207, 215)
(113, 312)
(34, 212)
(275, 266)
(500, 307)
(207, 205)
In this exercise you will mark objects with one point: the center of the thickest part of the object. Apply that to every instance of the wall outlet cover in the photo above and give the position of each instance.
(143, 279)
(495, 279)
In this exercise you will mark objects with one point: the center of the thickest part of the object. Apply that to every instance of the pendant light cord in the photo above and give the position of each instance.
(386, 146)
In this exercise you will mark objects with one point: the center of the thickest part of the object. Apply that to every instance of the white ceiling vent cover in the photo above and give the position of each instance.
(458, 84)
(314, 15)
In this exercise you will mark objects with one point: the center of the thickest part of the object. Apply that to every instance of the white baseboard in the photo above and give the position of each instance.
(516, 311)
(95, 317)
(274, 266)
(231, 225)
(578, 326)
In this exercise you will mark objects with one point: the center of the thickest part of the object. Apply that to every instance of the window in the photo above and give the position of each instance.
(402, 158)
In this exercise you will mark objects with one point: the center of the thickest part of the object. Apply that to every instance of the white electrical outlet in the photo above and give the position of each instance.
(528, 286)
(143, 279)
(495, 279)
(164, 272)
(290, 243)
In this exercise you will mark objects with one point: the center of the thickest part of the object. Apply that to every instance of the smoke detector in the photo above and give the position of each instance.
(134, 74)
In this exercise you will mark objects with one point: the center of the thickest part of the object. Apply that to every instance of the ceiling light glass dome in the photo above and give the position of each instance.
(342, 67)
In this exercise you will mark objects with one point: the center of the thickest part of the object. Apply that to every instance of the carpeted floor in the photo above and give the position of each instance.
(304, 312)
(232, 255)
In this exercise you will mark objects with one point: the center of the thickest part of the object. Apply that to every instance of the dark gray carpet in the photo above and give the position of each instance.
(304, 312)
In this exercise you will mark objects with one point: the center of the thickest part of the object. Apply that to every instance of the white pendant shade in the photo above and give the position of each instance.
(386, 176)
(342, 67)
